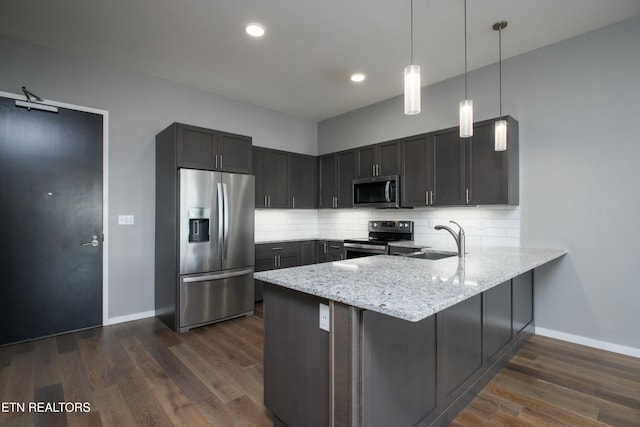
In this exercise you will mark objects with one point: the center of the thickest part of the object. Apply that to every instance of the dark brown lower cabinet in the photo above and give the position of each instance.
(522, 293)
(308, 252)
(296, 359)
(271, 256)
(459, 348)
(398, 370)
(497, 319)
(386, 371)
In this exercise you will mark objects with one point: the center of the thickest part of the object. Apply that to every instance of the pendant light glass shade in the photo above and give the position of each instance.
(412, 89)
(501, 124)
(466, 118)
(501, 135)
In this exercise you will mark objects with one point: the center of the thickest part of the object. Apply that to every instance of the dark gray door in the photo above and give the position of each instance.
(50, 204)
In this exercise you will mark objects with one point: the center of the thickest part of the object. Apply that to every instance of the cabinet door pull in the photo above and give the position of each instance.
(277, 248)
(467, 195)
(377, 169)
(265, 201)
(216, 161)
(432, 198)
(293, 202)
(335, 247)
(220, 161)
(269, 200)
(426, 198)
(373, 170)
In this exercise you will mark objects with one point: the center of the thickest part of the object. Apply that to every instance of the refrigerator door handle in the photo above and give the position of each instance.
(217, 276)
(226, 221)
(220, 216)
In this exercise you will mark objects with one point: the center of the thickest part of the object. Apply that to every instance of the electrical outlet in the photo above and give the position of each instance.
(324, 317)
(125, 219)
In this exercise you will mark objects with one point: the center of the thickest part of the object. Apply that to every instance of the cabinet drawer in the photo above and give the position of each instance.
(266, 250)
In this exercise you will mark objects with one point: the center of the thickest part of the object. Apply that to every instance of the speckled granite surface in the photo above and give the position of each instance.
(409, 288)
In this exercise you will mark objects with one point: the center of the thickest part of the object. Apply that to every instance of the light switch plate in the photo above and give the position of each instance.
(125, 219)
(325, 318)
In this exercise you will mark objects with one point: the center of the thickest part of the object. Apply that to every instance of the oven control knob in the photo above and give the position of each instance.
(374, 225)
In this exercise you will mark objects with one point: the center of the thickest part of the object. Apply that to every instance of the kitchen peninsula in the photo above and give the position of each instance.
(410, 340)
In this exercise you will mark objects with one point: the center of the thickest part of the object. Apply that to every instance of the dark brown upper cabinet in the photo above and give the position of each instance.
(493, 176)
(271, 168)
(442, 169)
(337, 172)
(378, 160)
(284, 180)
(208, 149)
(417, 171)
(302, 181)
(328, 178)
(433, 170)
(449, 186)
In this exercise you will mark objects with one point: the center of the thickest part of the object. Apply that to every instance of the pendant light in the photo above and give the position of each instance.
(412, 81)
(466, 106)
(501, 124)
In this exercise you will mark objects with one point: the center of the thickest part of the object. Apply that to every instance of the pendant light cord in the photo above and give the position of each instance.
(500, 66)
(411, 32)
(465, 49)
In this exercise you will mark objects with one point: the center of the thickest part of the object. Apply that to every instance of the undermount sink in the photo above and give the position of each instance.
(431, 255)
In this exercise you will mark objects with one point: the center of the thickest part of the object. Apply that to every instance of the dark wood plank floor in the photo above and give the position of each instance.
(142, 374)
(555, 383)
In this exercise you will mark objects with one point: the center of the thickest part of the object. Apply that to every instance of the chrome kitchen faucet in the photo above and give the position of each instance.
(459, 237)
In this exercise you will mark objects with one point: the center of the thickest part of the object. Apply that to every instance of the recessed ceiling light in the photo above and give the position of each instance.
(358, 77)
(254, 30)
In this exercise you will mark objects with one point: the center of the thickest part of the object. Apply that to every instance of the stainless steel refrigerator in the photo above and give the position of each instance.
(214, 244)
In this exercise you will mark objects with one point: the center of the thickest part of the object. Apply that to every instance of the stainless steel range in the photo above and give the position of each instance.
(380, 234)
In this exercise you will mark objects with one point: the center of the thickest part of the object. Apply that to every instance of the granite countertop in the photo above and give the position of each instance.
(410, 288)
(275, 241)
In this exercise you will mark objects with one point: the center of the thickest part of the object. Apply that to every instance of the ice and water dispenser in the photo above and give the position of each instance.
(199, 225)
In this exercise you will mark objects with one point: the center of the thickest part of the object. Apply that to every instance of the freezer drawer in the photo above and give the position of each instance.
(210, 297)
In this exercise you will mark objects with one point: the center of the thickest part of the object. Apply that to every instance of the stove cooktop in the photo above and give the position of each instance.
(382, 232)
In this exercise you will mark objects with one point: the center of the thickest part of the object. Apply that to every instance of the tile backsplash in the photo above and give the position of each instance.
(484, 226)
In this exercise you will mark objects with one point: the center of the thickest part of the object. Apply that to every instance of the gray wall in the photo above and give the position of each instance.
(139, 107)
(577, 104)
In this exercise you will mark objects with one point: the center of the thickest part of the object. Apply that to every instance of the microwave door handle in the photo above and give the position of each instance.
(387, 194)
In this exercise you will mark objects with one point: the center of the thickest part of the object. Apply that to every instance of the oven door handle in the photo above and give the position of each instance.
(387, 192)
(377, 248)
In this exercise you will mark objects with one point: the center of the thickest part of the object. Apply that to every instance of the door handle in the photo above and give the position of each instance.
(94, 242)
(220, 215)
(227, 218)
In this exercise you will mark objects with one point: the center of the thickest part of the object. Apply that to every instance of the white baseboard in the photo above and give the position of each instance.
(589, 342)
(130, 317)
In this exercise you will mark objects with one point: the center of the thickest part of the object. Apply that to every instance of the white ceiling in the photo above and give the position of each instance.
(303, 63)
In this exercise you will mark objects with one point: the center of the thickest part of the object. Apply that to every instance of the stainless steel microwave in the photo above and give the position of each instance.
(377, 192)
